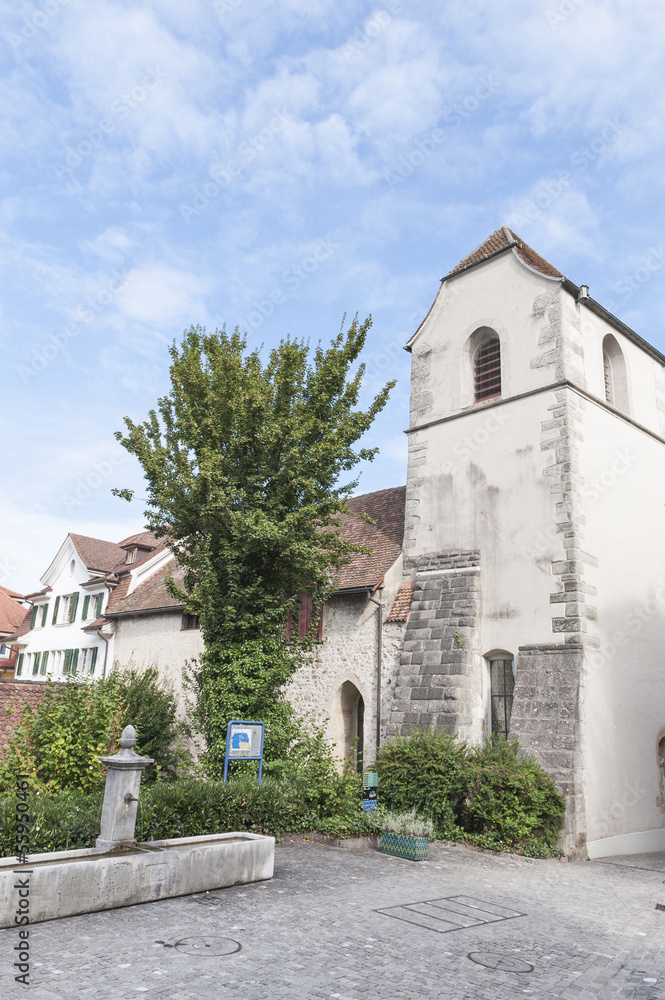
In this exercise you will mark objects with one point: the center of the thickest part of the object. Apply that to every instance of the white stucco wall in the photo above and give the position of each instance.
(158, 640)
(624, 703)
(482, 487)
(349, 653)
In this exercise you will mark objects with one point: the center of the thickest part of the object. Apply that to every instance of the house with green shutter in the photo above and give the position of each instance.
(64, 632)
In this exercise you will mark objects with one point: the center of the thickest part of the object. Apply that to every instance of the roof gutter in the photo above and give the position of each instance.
(143, 611)
(610, 318)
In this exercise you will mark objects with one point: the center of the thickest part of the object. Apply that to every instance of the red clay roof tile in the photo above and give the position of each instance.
(500, 240)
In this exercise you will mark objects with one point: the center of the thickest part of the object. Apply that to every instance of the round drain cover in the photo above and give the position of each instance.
(505, 963)
(207, 947)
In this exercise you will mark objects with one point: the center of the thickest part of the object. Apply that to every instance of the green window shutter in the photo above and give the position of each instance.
(33, 616)
(72, 610)
(35, 664)
(67, 661)
(98, 606)
(55, 611)
(42, 669)
(19, 666)
(86, 605)
(93, 659)
(74, 660)
(44, 614)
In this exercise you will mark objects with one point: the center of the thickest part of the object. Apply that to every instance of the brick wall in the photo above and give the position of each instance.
(13, 696)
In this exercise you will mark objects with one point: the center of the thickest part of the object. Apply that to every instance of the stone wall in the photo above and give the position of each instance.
(439, 683)
(13, 696)
(547, 720)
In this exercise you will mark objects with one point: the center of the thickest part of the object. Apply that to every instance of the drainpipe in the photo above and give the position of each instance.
(379, 657)
(106, 648)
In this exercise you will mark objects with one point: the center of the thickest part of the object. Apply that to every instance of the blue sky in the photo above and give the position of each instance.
(277, 164)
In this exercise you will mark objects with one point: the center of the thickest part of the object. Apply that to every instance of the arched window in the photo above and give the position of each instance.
(487, 369)
(614, 372)
(347, 723)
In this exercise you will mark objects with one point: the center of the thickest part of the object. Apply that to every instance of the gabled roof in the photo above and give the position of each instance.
(384, 537)
(12, 612)
(108, 557)
(502, 239)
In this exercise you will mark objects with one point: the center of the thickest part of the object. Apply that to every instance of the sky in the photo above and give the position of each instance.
(277, 165)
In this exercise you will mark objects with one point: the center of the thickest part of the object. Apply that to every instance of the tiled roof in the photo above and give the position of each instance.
(24, 626)
(11, 612)
(105, 557)
(385, 507)
(151, 594)
(500, 240)
(384, 537)
(401, 608)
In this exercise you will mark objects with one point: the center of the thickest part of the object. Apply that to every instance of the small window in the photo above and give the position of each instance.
(502, 681)
(131, 556)
(5, 651)
(487, 370)
(190, 621)
(614, 374)
(304, 622)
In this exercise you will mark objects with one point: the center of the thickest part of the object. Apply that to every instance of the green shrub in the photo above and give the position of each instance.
(493, 796)
(510, 798)
(192, 807)
(58, 744)
(151, 707)
(428, 772)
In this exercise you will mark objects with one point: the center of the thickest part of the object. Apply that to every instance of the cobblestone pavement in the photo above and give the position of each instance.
(585, 930)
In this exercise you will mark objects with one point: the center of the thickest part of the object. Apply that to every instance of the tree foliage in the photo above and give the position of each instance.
(243, 463)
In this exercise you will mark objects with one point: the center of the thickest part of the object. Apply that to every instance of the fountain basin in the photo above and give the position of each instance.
(66, 883)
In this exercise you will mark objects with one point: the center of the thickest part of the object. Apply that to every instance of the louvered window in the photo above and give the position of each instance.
(487, 370)
(608, 378)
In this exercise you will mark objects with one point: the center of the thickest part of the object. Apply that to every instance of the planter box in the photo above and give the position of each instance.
(404, 845)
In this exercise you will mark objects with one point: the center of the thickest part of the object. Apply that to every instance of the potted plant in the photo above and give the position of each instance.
(405, 835)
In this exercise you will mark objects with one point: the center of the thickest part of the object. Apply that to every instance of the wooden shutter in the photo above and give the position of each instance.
(319, 626)
(55, 610)
(33, 616)
(98, 605)
(35, 663)
(19, 666)
(74, 661)
(86, 605)
(44, 662)
(93, 659)
(74, 605)
(44, 614)
(67, 661)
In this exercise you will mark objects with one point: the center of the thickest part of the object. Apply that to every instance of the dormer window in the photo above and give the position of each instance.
(487, 369)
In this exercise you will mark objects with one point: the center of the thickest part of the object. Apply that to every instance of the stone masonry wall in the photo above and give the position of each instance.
(547, 720)
(439, 679)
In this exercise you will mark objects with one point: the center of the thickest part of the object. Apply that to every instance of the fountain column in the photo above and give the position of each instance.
(121, 795)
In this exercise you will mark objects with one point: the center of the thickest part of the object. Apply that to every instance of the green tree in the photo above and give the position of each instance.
(243, 463)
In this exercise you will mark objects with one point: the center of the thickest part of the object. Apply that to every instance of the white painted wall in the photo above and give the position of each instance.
(624, 704)
(158, 640)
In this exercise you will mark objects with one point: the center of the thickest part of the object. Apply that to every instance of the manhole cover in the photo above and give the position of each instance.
(206, 947)
(505, 963)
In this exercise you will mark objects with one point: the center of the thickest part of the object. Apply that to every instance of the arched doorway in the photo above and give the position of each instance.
(347, 722)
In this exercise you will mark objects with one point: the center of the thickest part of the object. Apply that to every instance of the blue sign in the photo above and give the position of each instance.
(244, 741)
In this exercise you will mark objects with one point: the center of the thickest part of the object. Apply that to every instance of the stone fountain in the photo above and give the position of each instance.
(119, 871)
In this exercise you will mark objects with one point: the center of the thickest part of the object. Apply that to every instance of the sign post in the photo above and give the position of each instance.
(244, 741)
(370, 783)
